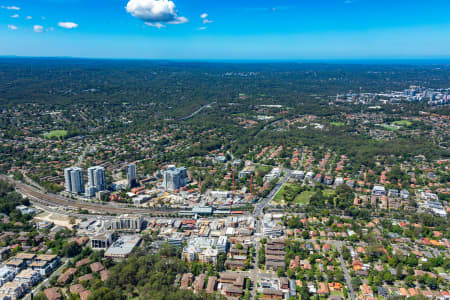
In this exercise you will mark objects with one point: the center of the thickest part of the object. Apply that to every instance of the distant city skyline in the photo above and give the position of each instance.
(231, 30)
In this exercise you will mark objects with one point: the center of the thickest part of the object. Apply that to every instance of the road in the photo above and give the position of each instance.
(196, 112)
(262, 204)
(83, 155)
(347, 277)
(43, 284)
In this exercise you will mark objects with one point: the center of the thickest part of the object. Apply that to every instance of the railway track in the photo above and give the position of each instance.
(42, 198)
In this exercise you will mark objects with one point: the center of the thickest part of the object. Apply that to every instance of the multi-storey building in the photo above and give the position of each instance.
(96, 180)
(127, 223)
(74, 180)
(103, 241)
(131, 175)
(222, 244)
(174, 178)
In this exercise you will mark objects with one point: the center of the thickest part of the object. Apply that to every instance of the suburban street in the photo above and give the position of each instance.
(347, 277)
(83, 155)
(43, 284)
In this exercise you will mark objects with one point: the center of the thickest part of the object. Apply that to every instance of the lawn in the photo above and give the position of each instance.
(337, 293)
(403, 123)
(55, 133)
(337, 124)
(304, 197)
(279, 196)
(389, 127)
(328, 192)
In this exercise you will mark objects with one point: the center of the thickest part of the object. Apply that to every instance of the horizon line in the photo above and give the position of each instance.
(357, 60)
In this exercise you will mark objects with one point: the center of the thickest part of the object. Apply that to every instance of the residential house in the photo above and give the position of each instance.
(52, 294)
(96, 267)
(272, 294)
(212, 282)
(186, 280)
(67, 276)
(366, 291)
(323, 289)
(199, 282)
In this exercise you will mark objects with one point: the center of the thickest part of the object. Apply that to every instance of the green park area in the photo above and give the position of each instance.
(405, 123)
(56, 133)
(390, 127)
(293, 193)
(337, 124)
(328, 192)
(303, 197)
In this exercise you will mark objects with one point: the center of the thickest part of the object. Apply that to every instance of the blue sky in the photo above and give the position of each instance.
(232, 29)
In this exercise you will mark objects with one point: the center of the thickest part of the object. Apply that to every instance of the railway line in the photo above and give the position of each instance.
(42, 198)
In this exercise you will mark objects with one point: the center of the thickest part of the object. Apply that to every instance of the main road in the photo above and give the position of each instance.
(259, 208)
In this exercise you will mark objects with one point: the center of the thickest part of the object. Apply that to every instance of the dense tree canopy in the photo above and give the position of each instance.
(147, 276)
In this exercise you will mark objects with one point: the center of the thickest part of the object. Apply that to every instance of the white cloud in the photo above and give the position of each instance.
(68, 25)
(179, 20)
(157, 25)
(202, 28)
(11, 7)
(38, 28)
(155, 11)
(15, 16)
(13, 27)
(204, 16)
(29, 17)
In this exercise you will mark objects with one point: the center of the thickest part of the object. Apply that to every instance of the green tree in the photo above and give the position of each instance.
(72, 249)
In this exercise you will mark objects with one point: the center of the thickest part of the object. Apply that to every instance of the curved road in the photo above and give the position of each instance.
(196, 112)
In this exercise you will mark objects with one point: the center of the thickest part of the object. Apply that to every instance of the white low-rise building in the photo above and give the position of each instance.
(222, 244)
(270, 226)
(195, 249)
(29, 277)
(6, 274)
(339, 181)
(123, 246)
(14, 289)
(45, 264)
(273, 174)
